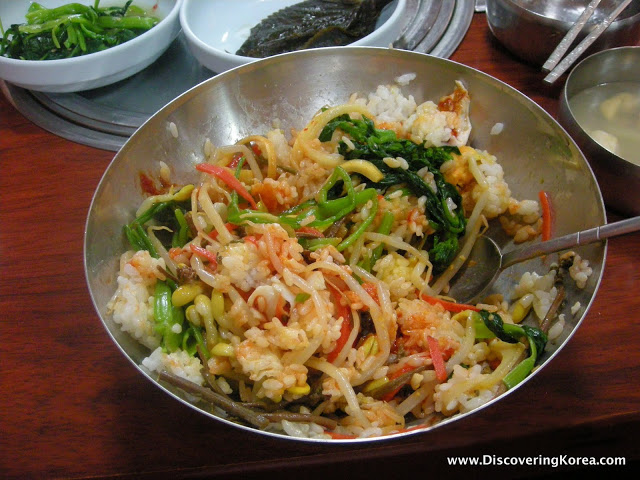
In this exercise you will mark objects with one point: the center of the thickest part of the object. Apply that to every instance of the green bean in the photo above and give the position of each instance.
(351, 239)
(150, 212)
(191, 347)
(330, 208)
(360, 199)
(139, 239)
(521, 371)
(166, 316)
(384, 228)
(181, 236)
(313, 244)
(133, 238)
(146, 241)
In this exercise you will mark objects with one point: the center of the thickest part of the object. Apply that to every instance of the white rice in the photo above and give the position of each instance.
(580, 271)
(405, 79)
(173, 129)
(389, 105)
(179, 363)
(575, 307)
(304, 430)
(132, 303)
(497, 129)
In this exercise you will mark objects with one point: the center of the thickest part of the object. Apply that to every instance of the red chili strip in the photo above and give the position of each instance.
(203, 252)
(437, 359)
(227, 177)
(449, 306)
(547, 219)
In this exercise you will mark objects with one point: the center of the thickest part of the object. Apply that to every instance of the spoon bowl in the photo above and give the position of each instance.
(486, 261)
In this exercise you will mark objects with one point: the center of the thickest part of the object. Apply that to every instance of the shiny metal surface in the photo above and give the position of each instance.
(486, 260)
(453, 34)
(619, 179)
(105, 117)
(532, 148)
(531, 29)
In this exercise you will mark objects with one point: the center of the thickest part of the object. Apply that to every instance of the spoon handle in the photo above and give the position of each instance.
(584, 237)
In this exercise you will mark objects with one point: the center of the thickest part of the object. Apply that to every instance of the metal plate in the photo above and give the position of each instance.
(106, 117)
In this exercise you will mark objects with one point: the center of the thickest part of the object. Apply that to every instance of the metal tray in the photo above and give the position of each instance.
(106, 117)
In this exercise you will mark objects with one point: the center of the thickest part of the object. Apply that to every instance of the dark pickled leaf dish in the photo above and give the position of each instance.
(312, 24)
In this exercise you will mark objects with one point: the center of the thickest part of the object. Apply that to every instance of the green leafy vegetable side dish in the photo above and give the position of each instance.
(73, 30)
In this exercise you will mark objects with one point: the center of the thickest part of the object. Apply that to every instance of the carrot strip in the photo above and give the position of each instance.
(449, 306)
(372, 290)
(345, 328)
(227, 177)
(545, 203)
(235, 161)
(203, 252)
(256, 149)
(310, 231)
(437, 359)
(401, 371)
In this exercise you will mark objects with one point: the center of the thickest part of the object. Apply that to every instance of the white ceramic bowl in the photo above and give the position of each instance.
(215, 29)
(96, 69)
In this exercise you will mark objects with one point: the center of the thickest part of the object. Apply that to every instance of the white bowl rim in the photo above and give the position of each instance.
(230, 57)
(102, 55)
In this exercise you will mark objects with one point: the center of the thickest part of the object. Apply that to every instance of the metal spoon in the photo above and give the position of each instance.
(486, 261)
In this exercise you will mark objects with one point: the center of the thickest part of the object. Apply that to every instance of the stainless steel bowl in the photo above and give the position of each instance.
(533, 149)
(531, 29)
(619, 179)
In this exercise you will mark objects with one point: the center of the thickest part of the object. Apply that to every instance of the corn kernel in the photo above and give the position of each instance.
(222, 349)
(217, 304)
(303, 390)
(185, 294)
(519, 312)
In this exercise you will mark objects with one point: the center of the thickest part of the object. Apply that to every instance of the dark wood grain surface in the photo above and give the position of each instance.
(73, 407)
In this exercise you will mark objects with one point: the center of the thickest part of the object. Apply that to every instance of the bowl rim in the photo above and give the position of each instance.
(566, 89)
(536, 16)
(240, 59)
(102, 55)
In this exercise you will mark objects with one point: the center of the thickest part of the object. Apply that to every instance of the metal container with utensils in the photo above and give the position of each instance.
(532, 29)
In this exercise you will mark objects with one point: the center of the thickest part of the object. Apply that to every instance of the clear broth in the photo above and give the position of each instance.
(610, 113)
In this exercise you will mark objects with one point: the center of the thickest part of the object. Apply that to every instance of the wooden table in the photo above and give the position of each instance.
(72, 406)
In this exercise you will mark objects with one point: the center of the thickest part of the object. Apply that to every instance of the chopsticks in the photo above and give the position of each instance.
(553, 65)
(571, 35)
